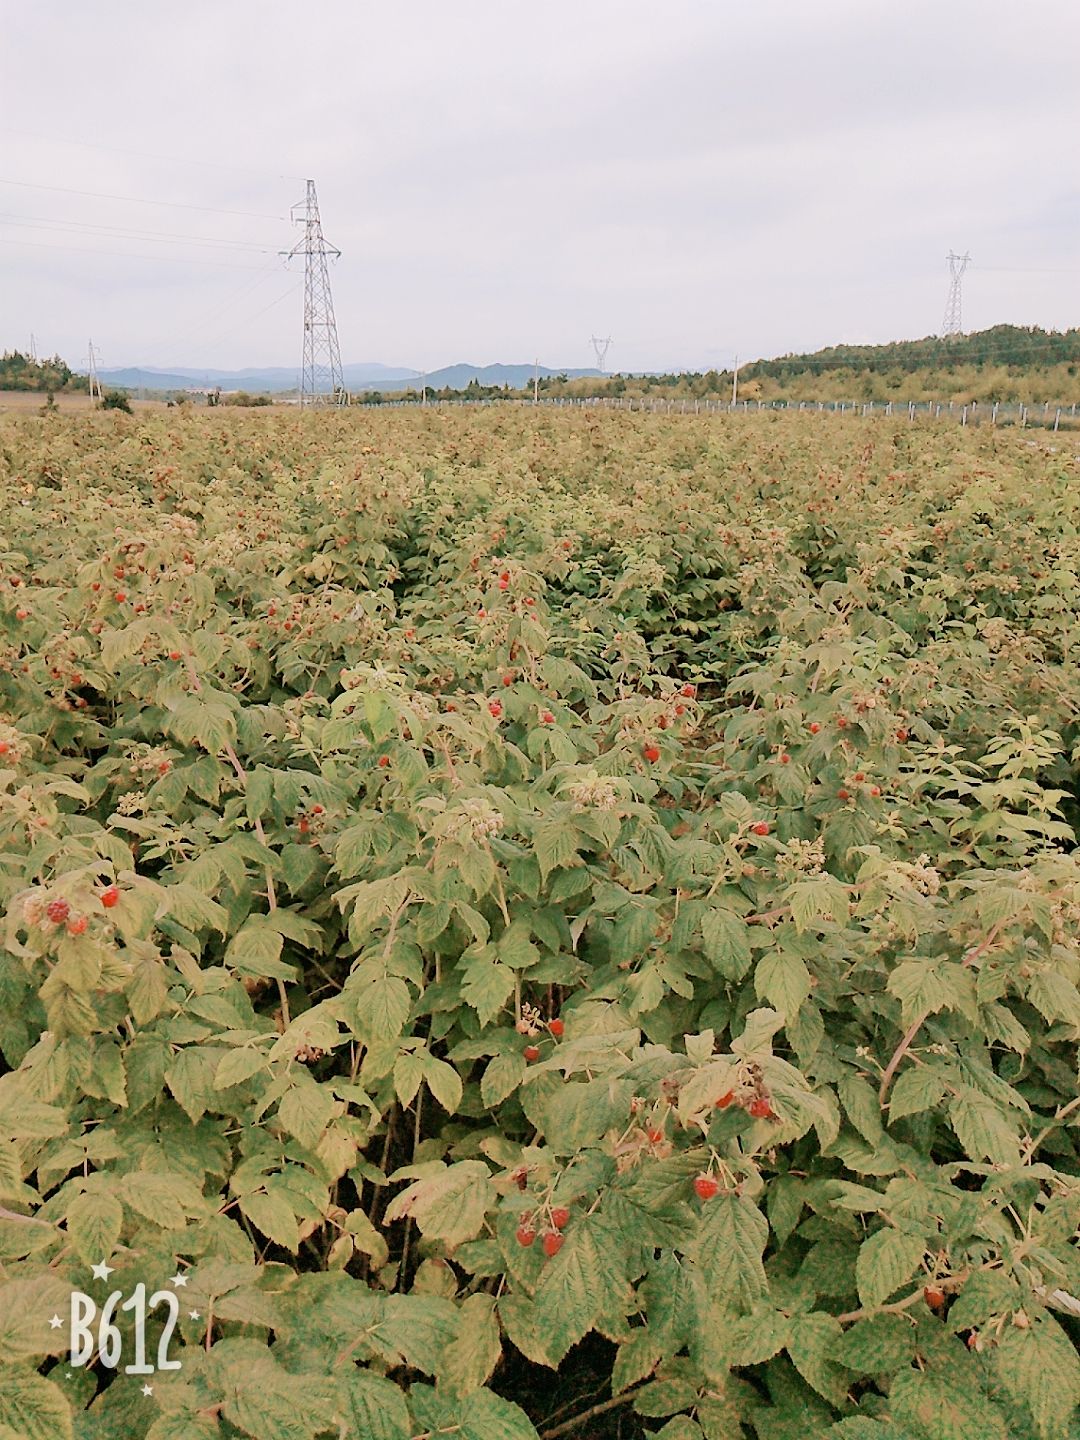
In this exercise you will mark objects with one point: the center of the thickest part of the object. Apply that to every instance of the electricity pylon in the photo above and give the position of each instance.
(321, 380)
(92, 375)
(601, 348)
(952, 324)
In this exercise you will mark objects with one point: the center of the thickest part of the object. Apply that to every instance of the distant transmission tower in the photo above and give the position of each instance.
(92, 375)
(953, 324)
(321, 381)
(601, 348)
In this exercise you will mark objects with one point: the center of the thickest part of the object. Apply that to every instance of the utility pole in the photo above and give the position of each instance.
(735, 383)
(321, 381)
(33, 347)
(952, 324)
(536, 381)
(423, 387)
(91, 366)
(601, 348)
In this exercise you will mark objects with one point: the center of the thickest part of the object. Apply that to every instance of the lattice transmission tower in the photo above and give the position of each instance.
(601, 348)
(953, 323)
(92, 371)
(321, 380)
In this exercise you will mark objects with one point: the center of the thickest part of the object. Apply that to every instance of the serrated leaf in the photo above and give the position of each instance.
(918, 1088)
(501, 1078)
(726, 941)
(94, 1221)
(782, 979)
(33, 1407)
(885, 1262)
(444, 1082)
(934, 1406)
(470, 1358)
(1039, 1368)
(374, 1408)
(730, 1242)
(449, 1206)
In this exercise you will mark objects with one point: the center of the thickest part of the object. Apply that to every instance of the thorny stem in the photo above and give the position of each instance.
(571, 1427)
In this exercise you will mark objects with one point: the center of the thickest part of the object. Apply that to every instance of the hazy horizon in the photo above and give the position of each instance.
(504, 183)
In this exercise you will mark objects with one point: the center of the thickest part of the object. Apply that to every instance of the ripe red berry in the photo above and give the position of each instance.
(560, 1217)
(875, 790)
(655, 1136)
(304, 826)
(688, 691)
(553, 1243)
(481, 613)
(110, 896)
(651, 753)
(384, 761)
(725, 1100)
(96, 586)
(508, 679)
(934, 1296)
(842, 794)
(58, 911)
(174, 655)
(3, 747)
(680, 709)
(120, 597)
(859, 777)
(505, 576)
(525, 1235)
(529, 600)
(556, 1027)
(785, 758)
(546, 717)
(531, 1053)
(77, 924)
(21, 614)
(760, 1108)
(705, 1186)
(814, 727)
(504, 584)
(841, 723)
(760, 827)
(901, 735)
(495, 708)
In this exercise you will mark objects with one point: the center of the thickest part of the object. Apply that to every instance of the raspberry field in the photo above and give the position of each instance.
(549, 923)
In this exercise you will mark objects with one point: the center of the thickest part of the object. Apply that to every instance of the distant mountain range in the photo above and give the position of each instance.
(364, 376)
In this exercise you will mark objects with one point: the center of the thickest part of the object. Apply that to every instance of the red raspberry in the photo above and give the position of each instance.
(705, 1186)
(760, 1109)
(553, 1243)
(525, 1235)
(531, 1053)
(560, 1217)
(556, 1027)
(725, 1100)
(77, 924)
(651, 753)
(760, 827)
(495, 708)
(58, 911)
(110, 896)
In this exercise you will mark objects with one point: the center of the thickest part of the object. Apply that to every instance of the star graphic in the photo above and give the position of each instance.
(55, 1323)
(178, 1280)
(193, 1315)
(148, 1389)
(102, 1271)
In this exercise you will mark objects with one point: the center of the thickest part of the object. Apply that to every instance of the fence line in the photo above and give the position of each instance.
(1048, 415)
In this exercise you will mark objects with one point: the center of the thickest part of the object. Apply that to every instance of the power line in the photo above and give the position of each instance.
(128, 254)
(146, 154)
(78, 227)
(139, 200)
(601, 347)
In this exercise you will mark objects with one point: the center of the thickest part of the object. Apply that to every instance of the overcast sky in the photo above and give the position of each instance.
(696, 178)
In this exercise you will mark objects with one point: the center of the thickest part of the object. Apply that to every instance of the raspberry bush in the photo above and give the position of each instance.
(485, 892)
